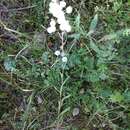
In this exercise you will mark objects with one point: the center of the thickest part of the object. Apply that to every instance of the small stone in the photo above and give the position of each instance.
(39, 100)
(81, 91)
(75, 111)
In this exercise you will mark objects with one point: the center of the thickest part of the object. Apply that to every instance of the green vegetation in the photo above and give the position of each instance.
(89, 92)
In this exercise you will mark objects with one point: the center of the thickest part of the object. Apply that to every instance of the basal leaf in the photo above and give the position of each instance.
(93, 23)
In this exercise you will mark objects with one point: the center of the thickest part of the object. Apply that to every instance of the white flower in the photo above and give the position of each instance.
(68, 28)
(54, 0)
(51, 4)
(62, 4)
(61, 20)
(51, 29)
(60, 15)
(69, 10)
(64, 59)
(54, 9)
(65, 26)
(57, 53)
(52, 23)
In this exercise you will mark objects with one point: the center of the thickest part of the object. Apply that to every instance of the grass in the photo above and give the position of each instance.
(89, 92)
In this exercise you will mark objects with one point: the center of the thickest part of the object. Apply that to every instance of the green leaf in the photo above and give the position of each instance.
(117, 5)
(103, 76)
(93, 76)
(117, 97)
(93, 24)
(9, 64)
(94, 46)
(127, 96)
(105, 92)
(45, 57)
(77, 21)
(89, 63)
(75, 36)
(129, 2)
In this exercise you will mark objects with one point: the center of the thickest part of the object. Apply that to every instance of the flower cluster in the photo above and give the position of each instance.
(58, 10)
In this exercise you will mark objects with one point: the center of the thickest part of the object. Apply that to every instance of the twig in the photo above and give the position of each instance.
(24, 8)
(21, 51)
(8, 29)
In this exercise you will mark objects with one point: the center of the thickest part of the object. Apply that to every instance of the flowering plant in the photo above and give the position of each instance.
(58, 10)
